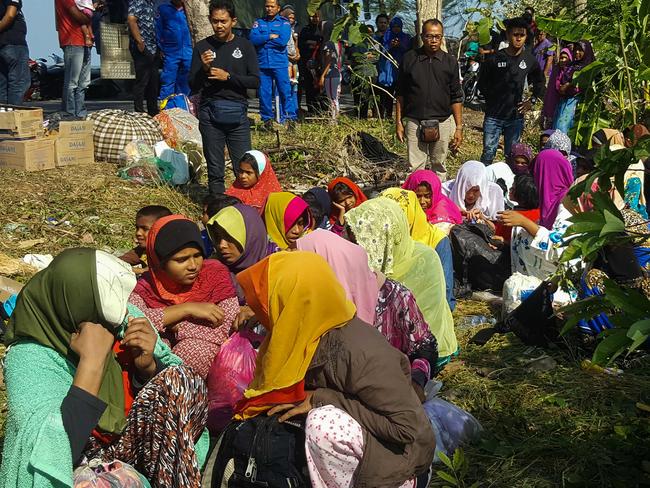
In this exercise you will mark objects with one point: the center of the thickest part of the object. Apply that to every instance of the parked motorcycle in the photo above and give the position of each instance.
(469, 72)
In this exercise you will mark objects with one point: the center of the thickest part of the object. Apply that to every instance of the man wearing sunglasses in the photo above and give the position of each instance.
(501, 80)
(429, 102)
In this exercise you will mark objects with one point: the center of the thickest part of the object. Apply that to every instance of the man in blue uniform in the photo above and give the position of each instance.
(175, 42)
(270, 37)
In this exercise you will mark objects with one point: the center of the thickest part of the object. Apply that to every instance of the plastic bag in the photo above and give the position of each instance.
(177, 160)
(230, 374)
(115, 474)
(452, 425)
(515, 289)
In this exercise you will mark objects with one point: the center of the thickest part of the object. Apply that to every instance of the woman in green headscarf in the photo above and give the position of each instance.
(380, 227)
(87, 377)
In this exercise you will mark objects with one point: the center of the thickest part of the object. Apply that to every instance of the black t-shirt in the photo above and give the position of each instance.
(502, 79)
(238, 57)
(16, 34)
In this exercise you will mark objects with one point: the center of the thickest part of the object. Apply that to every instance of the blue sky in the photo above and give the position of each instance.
(41, 31)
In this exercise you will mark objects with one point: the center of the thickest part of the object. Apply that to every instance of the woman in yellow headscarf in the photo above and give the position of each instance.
(319, 359)
(380, 227)
(286, 217)
(426, 233)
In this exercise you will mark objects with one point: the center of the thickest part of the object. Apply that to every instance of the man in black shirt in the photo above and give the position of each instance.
(501, 81)
(224, 66)
(309, 43)
(14, 54)
(428, 88)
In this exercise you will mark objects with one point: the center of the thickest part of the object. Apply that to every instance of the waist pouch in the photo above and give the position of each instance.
(226, 112)
(429, 131)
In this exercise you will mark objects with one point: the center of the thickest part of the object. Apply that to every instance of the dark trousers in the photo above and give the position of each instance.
(147, 81)
(361, 93)
(221, 126)
(307, 87)
(386, 101)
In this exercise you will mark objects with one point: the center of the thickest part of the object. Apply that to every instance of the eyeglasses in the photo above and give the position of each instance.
(432, 37)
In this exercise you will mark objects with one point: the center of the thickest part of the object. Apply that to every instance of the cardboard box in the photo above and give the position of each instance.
(74, 150)
(29, 155)
(78, 128)
(21, 122)
(8, 287)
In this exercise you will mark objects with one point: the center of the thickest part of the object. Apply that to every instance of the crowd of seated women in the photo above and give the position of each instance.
(107, 363)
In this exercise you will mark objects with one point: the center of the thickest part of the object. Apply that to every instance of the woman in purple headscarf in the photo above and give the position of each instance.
(582, 56)
(536, 248)
(520, 158)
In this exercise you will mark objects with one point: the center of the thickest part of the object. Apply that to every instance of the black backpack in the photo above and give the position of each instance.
(258, 452)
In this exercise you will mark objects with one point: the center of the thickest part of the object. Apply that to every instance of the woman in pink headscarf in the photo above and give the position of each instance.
(386, 304)
(440, 210)
(536, 248)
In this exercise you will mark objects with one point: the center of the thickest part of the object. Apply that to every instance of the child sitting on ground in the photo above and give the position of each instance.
(212, 205)
(525, 195)
(255, 180)
(345, 195)
(144, 220)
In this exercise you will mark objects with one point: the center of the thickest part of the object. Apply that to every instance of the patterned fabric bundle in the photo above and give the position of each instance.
(179, 125)
(114, 129)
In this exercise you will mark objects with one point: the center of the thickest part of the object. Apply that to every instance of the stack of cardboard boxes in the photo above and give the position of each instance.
(24, 144)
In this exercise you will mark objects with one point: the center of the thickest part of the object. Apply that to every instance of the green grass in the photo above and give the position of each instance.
(564, 427)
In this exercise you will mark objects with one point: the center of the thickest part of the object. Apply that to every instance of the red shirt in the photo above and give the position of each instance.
(506, 232)
(70, 33)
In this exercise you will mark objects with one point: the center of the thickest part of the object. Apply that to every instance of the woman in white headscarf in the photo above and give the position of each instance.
(477, 198)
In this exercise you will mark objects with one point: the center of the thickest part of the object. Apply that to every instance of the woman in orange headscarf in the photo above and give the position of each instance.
(319, 359)
(345, 195)
(190, 300)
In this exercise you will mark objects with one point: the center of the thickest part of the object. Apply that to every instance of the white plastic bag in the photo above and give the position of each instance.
(177, 159)
(513, 289)
(452, 426)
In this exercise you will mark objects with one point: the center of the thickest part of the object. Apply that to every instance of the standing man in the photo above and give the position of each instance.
(76, 56)
(144, 50)
(224, 66)
(429, 94)
(501, 81)
(270, 37)
(381, 22)
(14, 54)
(543, 52)
(309, 43)
(175, 42)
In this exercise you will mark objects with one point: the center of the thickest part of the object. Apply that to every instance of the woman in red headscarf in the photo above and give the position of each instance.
(189, 299)
(345, 195)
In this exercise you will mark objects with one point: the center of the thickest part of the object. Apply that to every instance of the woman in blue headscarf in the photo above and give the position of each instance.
(395, 44)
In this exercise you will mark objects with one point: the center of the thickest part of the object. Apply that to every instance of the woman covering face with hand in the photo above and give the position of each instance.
(85, 379)
(189, 299)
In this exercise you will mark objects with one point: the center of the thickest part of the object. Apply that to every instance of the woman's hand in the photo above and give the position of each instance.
(140, 339)
(512, 218)
(206, 311)
(474, 214)
(245, 314)
(291, 409)
(341, 213)
(92, 342)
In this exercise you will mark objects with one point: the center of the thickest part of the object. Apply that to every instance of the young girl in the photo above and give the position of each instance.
(525, 196)
(330, 79)
(287, 218)
(255, 180)
(345, 195)
(440, 210)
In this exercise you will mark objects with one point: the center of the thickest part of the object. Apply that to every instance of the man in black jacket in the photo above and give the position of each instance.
(501, 81)
(309, 42)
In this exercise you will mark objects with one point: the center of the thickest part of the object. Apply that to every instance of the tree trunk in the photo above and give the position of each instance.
(425, 10)
(197, 16)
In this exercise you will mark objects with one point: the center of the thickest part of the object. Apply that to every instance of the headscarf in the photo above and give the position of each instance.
(560, 141)
(296, 310)
(168, 236)
(354, 188)
(612, 136)
(419, 228)
(520, 149)
(553, 177)
(380, 227)
(281, 212)
(588, 58)
(256, 195)
(387, 71)
(245, 226)
(501, 171)
(442, 209)
(80, 285)
(474, 173)
(324, 203)
(350, 265)
(565, 74)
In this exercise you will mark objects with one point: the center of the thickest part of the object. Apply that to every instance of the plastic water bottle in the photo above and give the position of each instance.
(471, 321)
